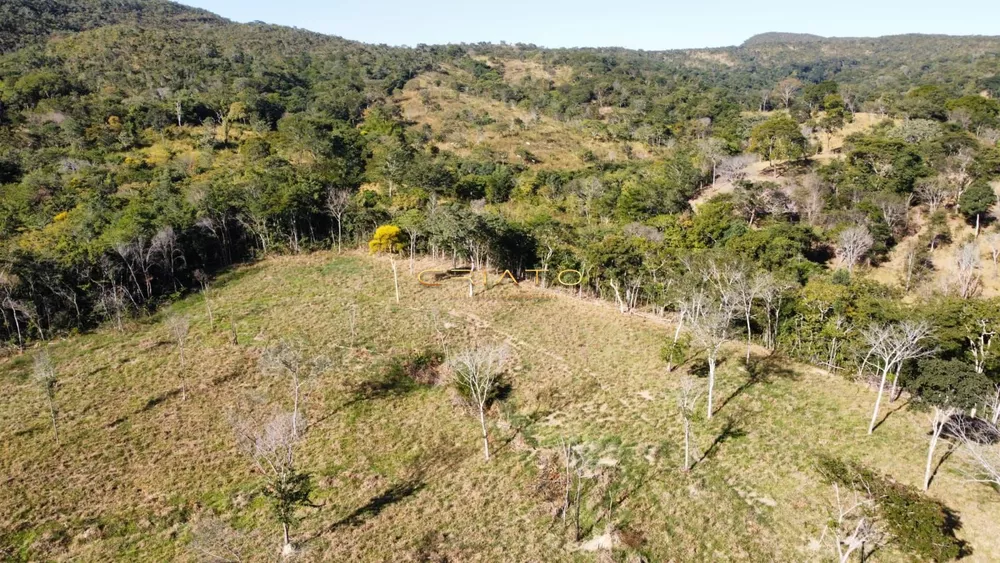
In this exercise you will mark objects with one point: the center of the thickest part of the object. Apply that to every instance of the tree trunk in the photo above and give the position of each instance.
(395, 277)
(748, 336)
(930, 456)
(878, 401)
(687, 444)
(340, 239)
(711, 381)
(52, 413)
(677, 334)
(482, 423)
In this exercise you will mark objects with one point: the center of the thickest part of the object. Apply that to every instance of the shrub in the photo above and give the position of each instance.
(918, 525)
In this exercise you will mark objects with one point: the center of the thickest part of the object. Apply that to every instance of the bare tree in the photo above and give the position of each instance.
(164, 246)
(894, 209)
(984, 458)
(478, 373)
(44, 375)
(772, 292)
(853, 244)
(993, 242)
(113, 304)
(710, 327)
(915, 265)
(687, 401)
(786, 90)
(215, 541)
(179, 326)
(202, 278)
(271, 448)
(853, 525)
(734, 168)
(713, 149)
(991, 404)
(932, 191)
(289, 359)
(337, 202)
(891, 345)
(809, 198)
(938, 421)
(967, 278)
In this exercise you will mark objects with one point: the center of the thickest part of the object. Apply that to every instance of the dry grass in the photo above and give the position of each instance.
(401, 477)
(431, 99)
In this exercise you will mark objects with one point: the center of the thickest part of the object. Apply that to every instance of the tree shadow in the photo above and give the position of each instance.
(729, 431)
(375, 505)
(890, 413)
(948, 453)
(760, 369)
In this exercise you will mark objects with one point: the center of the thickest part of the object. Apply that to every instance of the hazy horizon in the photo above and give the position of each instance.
(646, 26)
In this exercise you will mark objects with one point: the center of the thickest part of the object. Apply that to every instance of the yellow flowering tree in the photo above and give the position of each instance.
(388, 240)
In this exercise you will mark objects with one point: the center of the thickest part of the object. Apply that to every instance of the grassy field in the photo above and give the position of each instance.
(139, 469)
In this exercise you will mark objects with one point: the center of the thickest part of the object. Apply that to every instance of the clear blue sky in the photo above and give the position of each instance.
(649, 24)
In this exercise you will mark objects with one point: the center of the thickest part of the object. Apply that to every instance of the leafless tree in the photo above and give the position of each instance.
(687, 305)
(990, 135)
(772, 292)
(959, 170)
(853, 244)
(164, 246)
(626, 292)
(915, 265)
(894, 209)
(967, 278)
(138, 256)
(710, 327)
(713, 149)
(809, 198)
(938, 421)
(687, 401)
(932, 191)
(478, 373)
(202, 278)
(271, 445)
(215, 541)
(290, 359)
(993, 242)
(983, 459)
(179, 326)
(734, 168)
(786, 90)
(113, 304)
(44, 375)
(991, 404)
(854, 526)
(337, 202)
(890, 346)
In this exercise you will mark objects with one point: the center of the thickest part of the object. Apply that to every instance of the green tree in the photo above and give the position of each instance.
(778, 138)
(976, 200)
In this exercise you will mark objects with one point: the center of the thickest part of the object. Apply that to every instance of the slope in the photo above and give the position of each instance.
(399, 472)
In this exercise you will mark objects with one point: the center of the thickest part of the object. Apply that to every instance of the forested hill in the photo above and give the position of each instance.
(142, 141)
(23, 22)
(781, 37)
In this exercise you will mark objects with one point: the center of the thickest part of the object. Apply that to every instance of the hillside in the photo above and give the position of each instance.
(204, 355)
(781, 37)
(24, 22)
(399, 470)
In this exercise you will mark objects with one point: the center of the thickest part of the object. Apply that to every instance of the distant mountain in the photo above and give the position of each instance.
(781, 37)
(23, 22)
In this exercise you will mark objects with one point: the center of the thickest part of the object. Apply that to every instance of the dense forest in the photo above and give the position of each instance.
(145, 146)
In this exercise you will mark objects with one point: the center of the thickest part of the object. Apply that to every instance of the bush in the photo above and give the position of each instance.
(404, 375)
(948, 382)
(918, 525)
